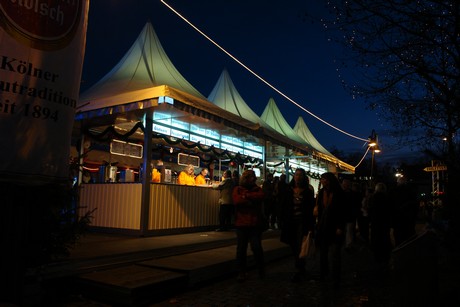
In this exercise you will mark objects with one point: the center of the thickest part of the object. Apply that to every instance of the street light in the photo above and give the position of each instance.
(374, 147)
(372, 140)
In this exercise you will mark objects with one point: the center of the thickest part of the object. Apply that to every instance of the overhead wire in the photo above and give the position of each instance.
(365, 154)
(259, 77)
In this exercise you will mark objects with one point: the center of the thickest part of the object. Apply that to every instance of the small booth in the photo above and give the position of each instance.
(141, 124)
(132, 159)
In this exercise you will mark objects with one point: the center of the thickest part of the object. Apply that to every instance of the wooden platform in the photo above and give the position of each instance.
(153, 280)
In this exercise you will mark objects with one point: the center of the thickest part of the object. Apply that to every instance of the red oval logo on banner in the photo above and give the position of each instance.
(42, 24)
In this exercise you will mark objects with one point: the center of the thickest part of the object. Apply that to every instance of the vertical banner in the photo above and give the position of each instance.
(42, 45)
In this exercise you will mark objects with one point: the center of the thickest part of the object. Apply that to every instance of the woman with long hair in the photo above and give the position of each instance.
(298, 220)
(331, 225)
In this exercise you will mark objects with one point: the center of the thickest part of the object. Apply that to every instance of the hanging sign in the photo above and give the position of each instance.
(126, 149)
(184, 159)
(435, 168)
(41, 55)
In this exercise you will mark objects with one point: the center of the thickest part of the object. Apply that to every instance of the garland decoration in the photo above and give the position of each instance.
(110, 133)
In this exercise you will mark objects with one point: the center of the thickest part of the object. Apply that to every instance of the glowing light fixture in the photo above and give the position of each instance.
(372, 140)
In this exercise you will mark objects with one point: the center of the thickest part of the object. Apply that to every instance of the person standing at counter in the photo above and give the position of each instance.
(201, 178)
(248, 201)
(187, 176)
(225, 201)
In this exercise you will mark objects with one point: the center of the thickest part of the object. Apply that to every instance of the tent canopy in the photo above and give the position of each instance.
(302, 130)
(138, 75)
(226, 96)
(273, 117)
(145, 75)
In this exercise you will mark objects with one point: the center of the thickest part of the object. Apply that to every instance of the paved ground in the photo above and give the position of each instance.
(359, 287)
(415, 279)
(363, 283)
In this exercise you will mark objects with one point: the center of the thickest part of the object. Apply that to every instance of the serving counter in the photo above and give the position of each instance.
(171, 207)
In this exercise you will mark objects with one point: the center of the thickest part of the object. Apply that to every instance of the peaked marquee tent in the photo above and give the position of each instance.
(302, 130)
(139, 81)
(145, 74)
(144, 66)
(226, 96)
(272, 116)
(143, 84)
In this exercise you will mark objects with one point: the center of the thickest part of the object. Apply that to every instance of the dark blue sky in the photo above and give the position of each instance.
(270, 37)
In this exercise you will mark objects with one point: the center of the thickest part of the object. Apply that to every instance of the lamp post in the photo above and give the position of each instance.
(374, 147)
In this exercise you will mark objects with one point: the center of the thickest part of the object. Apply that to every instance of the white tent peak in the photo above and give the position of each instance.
(145, 65)
(273, 117)
(226, 96)
(304, 132)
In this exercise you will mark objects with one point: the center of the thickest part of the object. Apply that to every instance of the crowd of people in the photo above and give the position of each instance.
(336, 215)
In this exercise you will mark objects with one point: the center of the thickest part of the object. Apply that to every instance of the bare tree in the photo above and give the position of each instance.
(403, 57)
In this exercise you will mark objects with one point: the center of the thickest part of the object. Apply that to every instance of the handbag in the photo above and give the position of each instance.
(307, 249)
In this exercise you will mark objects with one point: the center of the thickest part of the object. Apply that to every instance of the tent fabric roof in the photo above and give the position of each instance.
(302, 130)
(226, 96)
(145, 73)
(273, 117)
(301, 134)
(144, 66)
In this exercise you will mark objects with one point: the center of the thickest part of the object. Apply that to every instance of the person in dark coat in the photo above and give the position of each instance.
(281, 188)
(380, 212)
(225, 201)
(298, 218)
(269, 200)
(352, 204)
(405, 211)
(331, 225)
(363, 218)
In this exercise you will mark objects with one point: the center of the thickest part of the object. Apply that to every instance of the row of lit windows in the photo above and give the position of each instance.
(163, 123)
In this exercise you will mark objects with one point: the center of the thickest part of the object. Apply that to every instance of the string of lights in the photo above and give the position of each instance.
(259, 77)
(365, 154)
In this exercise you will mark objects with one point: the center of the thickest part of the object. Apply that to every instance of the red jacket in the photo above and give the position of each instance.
(248, 206)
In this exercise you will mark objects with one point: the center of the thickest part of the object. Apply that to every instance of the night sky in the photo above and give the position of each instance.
(272, 38)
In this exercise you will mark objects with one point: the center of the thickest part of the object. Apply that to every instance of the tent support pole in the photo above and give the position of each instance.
(146, 174)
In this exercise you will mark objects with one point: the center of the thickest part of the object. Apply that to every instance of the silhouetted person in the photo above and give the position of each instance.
(298, 218)
(269, 200)
(363, 219)
(380, 212)
(331, 226)
(352, 207)
(236, 178)
(280, 197)
(405, 214)
(225, 201)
